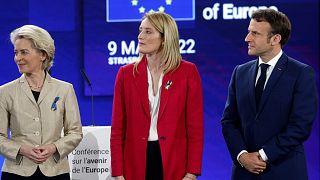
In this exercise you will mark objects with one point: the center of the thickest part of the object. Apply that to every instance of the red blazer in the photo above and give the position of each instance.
(180, 122)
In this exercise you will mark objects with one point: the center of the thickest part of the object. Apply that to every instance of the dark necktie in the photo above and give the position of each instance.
(261, 82)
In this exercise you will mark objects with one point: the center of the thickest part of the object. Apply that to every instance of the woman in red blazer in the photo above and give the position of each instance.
(157, 121)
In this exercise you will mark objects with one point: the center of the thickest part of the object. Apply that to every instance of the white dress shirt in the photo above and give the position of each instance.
(272, 64)
(154, 103)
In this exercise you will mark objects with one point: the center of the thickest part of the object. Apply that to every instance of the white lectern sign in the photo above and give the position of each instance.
(91, 159)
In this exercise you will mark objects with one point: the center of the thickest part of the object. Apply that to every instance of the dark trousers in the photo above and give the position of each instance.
(36, 176)
(154, 163)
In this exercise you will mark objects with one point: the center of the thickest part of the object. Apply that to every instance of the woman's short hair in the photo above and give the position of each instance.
(40, 40)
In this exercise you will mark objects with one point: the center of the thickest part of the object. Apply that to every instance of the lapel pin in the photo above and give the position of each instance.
(54, 104)
(168, 85)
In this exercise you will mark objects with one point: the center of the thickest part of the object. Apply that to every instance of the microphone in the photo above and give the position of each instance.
(84, 75)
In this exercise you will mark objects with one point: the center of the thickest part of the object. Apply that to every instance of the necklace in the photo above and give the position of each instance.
(35, 87)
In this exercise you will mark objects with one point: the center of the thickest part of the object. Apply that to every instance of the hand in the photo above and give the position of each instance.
(119, 178)
(45, 151)
(189, 176)
(253, 162)
(31, 153)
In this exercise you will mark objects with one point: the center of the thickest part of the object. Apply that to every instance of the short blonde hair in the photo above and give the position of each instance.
(170, 50)
(40, 40)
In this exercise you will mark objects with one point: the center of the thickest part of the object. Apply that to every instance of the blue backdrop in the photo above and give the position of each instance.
(100, 36)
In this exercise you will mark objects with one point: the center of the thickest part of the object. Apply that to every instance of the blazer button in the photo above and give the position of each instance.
(37, 133)
(162, 138)
(36, 119)
(143, 138)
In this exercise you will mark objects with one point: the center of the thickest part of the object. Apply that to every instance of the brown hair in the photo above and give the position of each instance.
(280, 23)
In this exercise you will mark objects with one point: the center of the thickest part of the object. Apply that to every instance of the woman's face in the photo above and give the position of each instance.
(149, 38)
(28, 59)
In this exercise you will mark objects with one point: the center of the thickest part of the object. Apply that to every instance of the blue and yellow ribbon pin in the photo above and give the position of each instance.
(54, 104)
(168, 85)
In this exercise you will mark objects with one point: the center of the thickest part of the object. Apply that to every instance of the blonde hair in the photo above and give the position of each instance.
(40, 40)
(170, 50)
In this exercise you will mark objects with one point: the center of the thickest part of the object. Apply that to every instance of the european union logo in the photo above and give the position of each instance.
(133, 10)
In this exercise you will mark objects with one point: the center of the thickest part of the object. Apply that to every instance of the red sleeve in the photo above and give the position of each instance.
(118, 127)
(194, 122)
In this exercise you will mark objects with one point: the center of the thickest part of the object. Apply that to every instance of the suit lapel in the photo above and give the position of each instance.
(141, 82)
(45, 88)
(274, 78)
(252, 80)
(26, 89)
(165, 92)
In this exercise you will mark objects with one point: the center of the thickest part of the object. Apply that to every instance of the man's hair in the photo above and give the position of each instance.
(279, 22)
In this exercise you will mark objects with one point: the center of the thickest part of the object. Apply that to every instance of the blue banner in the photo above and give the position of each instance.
(133, 10)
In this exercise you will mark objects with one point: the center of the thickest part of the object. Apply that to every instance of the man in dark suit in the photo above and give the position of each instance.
(271, 105)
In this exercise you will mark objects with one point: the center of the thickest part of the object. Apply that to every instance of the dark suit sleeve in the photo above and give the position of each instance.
(194, 122)
(231, 128)
(302, 114)
(118, 126)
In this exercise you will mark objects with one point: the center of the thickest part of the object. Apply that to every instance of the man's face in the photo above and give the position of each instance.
(259, 38)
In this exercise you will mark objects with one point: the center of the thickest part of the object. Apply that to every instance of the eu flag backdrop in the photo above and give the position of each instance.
(133, 10)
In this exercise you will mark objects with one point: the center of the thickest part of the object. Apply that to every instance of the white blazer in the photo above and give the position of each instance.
(38, 123)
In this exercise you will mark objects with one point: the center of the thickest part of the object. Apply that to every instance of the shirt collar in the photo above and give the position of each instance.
(273, 61)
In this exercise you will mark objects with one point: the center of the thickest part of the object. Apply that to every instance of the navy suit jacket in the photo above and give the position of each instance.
(281, 123)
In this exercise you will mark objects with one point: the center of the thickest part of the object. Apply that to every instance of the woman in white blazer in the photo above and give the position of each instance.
(36, 108)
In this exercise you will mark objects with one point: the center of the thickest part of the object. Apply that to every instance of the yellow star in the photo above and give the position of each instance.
(151, 10)
(134, 2)
(168, 2)
(161, 9)
(142, 9)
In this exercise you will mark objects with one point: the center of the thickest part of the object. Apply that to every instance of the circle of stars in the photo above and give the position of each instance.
(142, 9)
